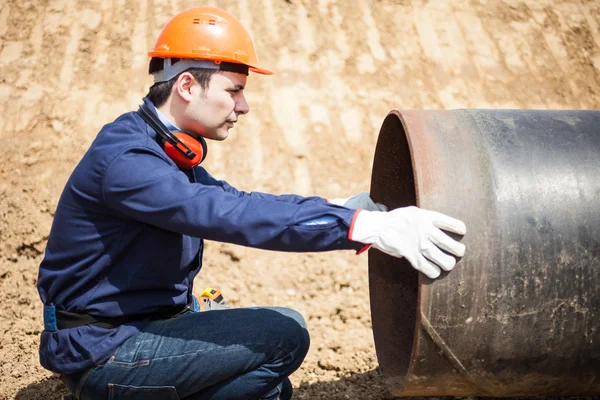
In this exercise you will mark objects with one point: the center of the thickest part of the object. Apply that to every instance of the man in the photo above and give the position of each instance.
(127, 239)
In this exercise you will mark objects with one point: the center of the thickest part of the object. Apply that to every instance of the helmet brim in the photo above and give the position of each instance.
(261, 71)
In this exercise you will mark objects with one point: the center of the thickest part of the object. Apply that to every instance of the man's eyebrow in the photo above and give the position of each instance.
(238, 87)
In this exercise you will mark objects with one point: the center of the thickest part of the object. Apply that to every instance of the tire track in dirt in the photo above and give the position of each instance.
(4, 14)
(93, 68)
(373, 34)
(271, 21)
(579, 43)
(553, 52)
(503, 36)
(21, 96)
(66, 72)
(418, 68)
(487, 60)
(465, 85)
(288, 103)
(139, 42)
(592, 16)
(433, 53)
(342, 93)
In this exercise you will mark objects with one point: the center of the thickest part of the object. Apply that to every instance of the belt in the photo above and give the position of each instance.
(59, 319)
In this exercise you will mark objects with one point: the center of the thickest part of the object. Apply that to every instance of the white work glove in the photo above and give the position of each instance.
(412, 233)
(361, 200)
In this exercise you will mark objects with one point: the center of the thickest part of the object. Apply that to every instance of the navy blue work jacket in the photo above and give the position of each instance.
(127, 237)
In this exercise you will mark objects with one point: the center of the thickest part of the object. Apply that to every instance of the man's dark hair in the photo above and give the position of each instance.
(159, 92)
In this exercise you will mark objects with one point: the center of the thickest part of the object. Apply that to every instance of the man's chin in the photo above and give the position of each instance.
(222, 134)
(218, 135)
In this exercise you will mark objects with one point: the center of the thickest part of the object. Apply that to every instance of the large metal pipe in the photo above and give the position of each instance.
(520, 313)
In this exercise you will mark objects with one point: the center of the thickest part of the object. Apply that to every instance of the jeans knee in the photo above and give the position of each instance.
(296, 334)
(293, 314)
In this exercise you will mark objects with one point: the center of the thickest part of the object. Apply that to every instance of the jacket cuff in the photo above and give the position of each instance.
(351, 230)
(363, 249)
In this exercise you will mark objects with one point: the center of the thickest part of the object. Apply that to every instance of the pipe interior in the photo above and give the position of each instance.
(393, 282)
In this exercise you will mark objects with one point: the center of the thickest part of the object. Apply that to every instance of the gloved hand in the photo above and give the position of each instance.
(361, 200)
(412, 233)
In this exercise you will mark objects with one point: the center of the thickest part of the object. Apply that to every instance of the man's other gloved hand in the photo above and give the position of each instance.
(361, 200)
(412, 233)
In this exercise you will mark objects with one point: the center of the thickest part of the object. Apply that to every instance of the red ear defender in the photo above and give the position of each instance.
(177, 152)
(185, 150)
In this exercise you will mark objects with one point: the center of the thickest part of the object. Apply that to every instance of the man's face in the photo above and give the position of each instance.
(211, 112)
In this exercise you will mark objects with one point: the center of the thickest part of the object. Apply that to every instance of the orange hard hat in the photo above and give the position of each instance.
(207, 33)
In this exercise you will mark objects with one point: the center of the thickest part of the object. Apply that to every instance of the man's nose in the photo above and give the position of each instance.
(242, 106)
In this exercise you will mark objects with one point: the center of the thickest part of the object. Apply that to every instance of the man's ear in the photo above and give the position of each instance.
(183, 86)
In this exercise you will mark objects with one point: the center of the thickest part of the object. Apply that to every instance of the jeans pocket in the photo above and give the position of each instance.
(117, 392)
(124, 364)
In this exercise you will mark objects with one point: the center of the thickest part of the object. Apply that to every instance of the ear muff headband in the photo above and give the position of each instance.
(185, 150)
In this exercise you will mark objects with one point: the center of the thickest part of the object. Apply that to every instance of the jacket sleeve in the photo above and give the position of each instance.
(140, 184)
(203, 176)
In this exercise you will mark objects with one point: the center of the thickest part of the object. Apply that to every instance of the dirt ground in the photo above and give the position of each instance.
(67, 67)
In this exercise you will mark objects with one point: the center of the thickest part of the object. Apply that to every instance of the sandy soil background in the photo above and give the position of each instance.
(67, 67)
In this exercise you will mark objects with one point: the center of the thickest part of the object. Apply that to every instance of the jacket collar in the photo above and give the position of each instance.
(170, 126)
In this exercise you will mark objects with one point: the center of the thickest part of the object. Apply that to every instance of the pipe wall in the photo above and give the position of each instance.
(520, 313)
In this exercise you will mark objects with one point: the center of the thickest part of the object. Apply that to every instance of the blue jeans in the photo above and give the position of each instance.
(245, 353)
